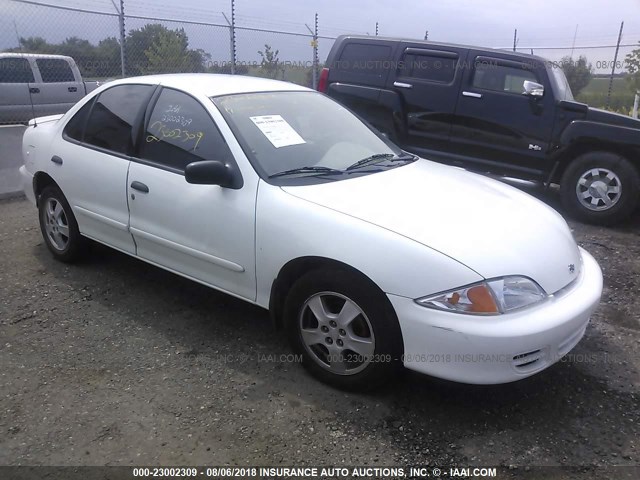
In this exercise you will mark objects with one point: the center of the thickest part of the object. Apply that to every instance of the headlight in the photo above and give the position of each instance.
(492, 297)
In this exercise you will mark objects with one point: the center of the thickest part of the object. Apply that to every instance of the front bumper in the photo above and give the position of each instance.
(503, 348)
(27, 184)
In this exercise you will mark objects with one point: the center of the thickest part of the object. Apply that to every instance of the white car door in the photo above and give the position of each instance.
(205, 232)
(90, 161)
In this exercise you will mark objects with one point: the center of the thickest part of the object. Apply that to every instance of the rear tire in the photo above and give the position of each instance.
(344, 328)
(602, 188)
(59, 227)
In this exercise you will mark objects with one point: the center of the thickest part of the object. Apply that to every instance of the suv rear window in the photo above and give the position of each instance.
(364, 58)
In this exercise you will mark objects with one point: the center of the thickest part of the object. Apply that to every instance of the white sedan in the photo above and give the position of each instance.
(368, 256)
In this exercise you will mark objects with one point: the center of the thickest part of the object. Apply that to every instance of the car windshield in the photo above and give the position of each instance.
(305, 136)
(563, 90)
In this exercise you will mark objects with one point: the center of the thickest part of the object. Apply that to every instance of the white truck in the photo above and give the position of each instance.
(33, 85)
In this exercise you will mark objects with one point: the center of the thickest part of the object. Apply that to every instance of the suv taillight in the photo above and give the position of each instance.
(322, 82)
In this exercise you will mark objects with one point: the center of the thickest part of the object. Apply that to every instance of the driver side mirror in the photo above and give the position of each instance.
(212, 172)
(532, 89)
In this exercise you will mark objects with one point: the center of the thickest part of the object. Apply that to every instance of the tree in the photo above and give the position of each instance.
(632, 61)
(578, 72)
(270, 64)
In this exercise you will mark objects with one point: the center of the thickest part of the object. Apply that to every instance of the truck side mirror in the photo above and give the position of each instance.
(532, 89)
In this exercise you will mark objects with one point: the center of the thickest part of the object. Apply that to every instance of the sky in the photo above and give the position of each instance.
(540, 23)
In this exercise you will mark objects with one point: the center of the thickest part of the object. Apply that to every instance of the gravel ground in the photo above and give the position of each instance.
(116, 362)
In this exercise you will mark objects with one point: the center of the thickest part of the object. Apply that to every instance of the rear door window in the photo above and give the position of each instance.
(53, 70)
(113, 116)
(15, 70)
(433, 67)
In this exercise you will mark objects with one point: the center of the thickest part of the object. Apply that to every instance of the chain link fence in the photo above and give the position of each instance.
(93, 32)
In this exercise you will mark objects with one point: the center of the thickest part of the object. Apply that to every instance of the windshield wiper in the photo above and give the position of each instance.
(379, 158)
(314, 170)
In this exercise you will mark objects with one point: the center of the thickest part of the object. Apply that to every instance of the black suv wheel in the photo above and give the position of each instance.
(601, 188)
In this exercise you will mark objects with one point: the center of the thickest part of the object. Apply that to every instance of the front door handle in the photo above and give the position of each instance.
(56, 159)
(73, 89)
(34, 90)
(402, 85)
(472, 94)
(139, 186)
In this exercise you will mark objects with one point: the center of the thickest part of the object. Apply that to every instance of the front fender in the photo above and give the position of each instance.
(585, 131)
(289, 227)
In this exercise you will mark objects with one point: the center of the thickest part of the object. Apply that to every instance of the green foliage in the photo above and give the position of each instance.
(578, 72)
(156, 49)
(270, 64)
(94, 61)
(595, 94)
(151, 49)
(633, 67)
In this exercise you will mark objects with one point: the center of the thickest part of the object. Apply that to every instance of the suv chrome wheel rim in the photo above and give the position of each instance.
(56, 224)
(336, 333)
(598, 189)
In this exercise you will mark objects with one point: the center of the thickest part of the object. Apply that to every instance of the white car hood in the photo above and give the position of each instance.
(490, 227)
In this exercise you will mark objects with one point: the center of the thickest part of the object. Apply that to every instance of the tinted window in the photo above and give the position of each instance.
(75, 127)
(55, 70)
(364, 58)
(113, 115)
(181, 131)
(429, 67)
(15, 70)
(501, 78)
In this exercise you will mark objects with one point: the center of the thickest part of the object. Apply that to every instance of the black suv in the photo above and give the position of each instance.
(492, 111)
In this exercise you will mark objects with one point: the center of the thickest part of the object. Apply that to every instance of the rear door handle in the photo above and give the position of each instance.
(56, 159)
(73, 89)
(34, 90)
(402, 85)
(472, 94)
(139, 186)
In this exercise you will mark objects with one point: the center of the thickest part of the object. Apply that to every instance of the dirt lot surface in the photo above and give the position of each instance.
(116, 362)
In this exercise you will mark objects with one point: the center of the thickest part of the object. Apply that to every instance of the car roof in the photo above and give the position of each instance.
(489, 50)
(31, 55)
(213, 84)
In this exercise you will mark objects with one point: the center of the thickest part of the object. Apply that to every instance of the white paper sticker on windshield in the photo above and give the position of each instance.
(277, 130)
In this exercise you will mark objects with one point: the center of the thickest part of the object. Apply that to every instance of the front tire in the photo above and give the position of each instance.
(344, 328)
(600, 188)
(59, 227)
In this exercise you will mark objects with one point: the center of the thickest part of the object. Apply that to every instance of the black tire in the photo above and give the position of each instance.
(625, 174)
(71, 246)
(377, 322)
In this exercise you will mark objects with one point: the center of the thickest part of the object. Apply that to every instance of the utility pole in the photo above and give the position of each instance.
(314, 44)
(515, 39)
(122, 35)
(573, 45)
(613, 69)
(232, 36)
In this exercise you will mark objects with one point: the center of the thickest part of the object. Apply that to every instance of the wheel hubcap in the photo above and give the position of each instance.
(56, 224)
(598, 189)
(336, 333)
